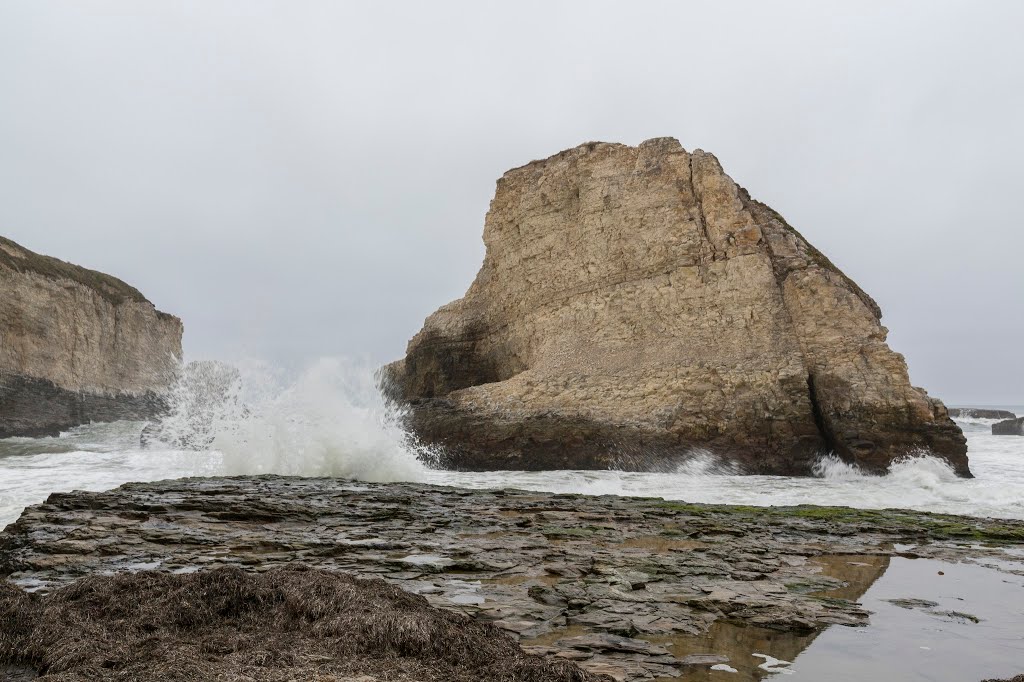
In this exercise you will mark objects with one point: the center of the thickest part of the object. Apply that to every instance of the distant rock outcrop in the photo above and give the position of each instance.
(635, 304)
(77, 346)
(979, 413)
(1010, 427)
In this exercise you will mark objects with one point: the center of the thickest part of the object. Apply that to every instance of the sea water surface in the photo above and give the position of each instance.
(331, 421)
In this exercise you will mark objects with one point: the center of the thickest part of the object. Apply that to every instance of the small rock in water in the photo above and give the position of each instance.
(604, 642)
(705, 659)
(724, 668)
(956, 616)
(979, 413)
(1010, 427)
(913, 603)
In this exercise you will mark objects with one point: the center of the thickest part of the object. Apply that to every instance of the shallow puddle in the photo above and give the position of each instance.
(931, 621)
(522, 579)
(858, 571)
(662, 543)
(741, 645)
(548, 639)
(927, 643)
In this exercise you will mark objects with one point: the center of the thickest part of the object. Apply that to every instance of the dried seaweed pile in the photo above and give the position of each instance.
(284, 624)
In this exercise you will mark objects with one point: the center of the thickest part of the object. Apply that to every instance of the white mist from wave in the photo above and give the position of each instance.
(327, 420)
(330, 420)
(923, 483)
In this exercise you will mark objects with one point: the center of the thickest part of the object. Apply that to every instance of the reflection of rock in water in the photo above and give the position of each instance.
(843, 579)
(204, 393)
(857, 572)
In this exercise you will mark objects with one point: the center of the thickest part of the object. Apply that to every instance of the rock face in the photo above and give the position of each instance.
(634, 305)
(980, 413)
(77, 346)
(1010, 427)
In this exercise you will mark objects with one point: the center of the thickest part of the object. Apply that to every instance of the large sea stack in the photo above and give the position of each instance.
(636, 306)
(77, 346)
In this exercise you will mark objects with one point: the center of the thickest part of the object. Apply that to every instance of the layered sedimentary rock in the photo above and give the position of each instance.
(77, 346)
(635, 305)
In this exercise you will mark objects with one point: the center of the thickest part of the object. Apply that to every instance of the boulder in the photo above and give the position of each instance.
(979, 413)
(635, 306)
(1010, 427)
(77, 346)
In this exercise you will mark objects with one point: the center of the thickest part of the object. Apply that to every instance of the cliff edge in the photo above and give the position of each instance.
(77, 346)
(634, 306)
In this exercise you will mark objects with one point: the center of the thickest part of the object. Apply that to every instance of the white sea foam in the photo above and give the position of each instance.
(330, 420)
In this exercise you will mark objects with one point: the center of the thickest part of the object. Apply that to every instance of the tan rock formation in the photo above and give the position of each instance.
(635, 304)
(77, 346)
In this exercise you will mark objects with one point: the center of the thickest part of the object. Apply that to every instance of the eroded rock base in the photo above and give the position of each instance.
(32, 407)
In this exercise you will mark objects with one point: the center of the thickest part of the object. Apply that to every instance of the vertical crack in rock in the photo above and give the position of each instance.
(702, 221)
(819, 418)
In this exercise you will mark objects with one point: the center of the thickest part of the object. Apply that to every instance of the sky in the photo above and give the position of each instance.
(299, 179)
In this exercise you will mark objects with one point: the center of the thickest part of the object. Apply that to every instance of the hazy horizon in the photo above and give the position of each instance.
(301, 180)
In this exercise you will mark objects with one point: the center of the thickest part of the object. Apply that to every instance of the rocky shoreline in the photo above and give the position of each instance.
(633, 588)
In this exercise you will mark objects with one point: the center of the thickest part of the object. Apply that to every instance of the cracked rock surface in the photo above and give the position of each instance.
(617, 585)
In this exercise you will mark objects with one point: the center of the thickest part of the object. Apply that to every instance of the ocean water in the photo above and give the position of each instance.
(331, 421)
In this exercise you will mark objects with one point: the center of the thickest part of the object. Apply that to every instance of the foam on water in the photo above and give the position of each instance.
(330, 420)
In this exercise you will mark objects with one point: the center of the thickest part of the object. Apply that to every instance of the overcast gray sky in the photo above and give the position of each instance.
(297, 178)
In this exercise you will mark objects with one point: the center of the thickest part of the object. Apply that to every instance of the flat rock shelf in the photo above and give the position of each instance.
(628, 588)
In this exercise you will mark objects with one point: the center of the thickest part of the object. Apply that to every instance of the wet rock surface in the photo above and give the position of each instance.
(1010, 427)
(632, 588)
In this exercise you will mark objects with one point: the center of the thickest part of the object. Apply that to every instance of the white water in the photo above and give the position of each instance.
(332, 422)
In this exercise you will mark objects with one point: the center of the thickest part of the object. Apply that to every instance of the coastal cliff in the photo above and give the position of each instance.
(77, 346)
(636, 305)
